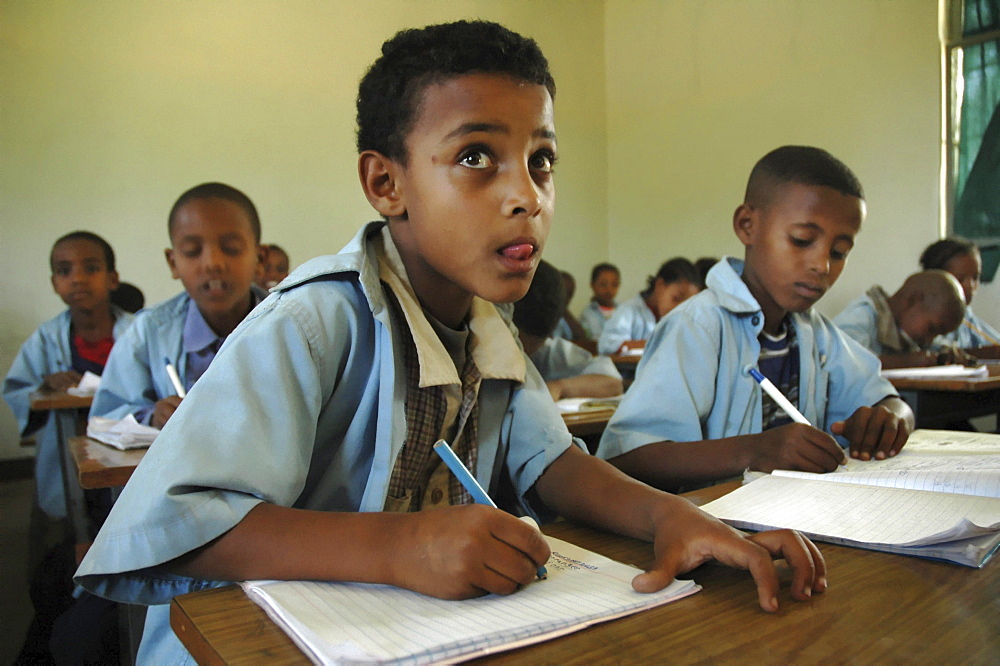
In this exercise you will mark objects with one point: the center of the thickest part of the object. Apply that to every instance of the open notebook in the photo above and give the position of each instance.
(939, 498)
(354, 622)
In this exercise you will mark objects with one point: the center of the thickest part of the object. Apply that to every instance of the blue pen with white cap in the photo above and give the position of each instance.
(469, 482)
(776, 395)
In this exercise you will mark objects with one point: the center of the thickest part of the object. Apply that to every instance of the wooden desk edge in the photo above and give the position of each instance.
(93, 474)
(42, 400)
(280, 646)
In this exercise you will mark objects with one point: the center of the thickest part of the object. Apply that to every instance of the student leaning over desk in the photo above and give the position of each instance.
(694, 414)
(304, 452)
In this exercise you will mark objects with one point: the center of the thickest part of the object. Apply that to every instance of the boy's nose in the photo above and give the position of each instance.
(523, 197)
(213, 259)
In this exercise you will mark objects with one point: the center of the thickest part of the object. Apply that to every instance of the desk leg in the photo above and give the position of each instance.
(76, 508)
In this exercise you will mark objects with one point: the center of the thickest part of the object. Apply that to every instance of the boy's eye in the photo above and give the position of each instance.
(232, 249)
(543, 160)
(801, 242)
(475, 159)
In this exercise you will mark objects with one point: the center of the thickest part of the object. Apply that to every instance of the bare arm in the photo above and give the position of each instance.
(672, 464)
(453, 552)
(589, 490)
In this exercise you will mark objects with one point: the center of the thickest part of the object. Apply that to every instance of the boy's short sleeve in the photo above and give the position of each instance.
(859, 321)
(854, 374)
(674, 387)
(247, 432)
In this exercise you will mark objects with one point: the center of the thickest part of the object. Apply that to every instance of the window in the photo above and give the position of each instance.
(971, 41)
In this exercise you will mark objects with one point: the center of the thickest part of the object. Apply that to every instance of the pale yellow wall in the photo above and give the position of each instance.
(699, 90)
(111, 109)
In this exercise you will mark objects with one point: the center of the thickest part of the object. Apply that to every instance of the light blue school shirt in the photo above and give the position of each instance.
(135, 377)
(563, 331)
(47, 351)
(557, 358)
(972, 333)
(592, 319)
(303, 407)
(632, 320)
(693, 383)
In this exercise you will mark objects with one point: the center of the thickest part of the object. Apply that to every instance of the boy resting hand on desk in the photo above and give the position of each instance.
(339, 383)
(695, 413)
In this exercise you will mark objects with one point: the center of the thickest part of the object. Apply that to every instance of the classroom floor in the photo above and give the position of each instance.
(15, 607)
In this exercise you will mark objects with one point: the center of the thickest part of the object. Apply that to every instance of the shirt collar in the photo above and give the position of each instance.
(496, 354)
(198, 335)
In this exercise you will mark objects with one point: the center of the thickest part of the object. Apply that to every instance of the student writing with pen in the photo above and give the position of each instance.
(215, 251)
(695, 413)
(333, 392)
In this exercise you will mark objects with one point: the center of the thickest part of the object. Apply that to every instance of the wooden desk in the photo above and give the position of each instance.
(879, 608)
(65, 410)
(939, 402)
(588, 422)
(101, 466)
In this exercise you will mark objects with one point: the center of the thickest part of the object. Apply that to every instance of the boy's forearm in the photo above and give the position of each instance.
(668, 465)
(275, 542)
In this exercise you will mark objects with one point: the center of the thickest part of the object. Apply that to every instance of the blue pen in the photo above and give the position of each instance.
(782, 401)
(469, 482)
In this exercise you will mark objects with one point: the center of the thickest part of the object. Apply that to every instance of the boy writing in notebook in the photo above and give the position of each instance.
(62, 349)
(900, 328)
(305, 452)
(695, 414)
(215, 251)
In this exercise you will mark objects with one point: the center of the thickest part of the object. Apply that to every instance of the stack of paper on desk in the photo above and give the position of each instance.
(124, 434)
(88, 385)
(953, 371)
(354, 622)
(939, 498)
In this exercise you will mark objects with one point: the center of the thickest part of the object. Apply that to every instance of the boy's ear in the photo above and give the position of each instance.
(744, 223)
(113, 280)
(380, 181)
(169, 254)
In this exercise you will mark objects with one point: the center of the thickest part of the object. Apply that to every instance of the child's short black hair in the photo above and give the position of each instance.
(596, 271)
(703, 266)
(217, 191)
(677, 269)
(539, 311)
(800, 165)
(413, 59)
(128, 297)
(938, 254)
(109, 254)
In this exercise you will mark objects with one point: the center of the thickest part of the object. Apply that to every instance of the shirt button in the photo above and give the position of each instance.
(436, 495)
(755, 320)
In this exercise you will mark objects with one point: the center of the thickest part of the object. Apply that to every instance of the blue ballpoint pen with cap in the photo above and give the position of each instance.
(468, 481)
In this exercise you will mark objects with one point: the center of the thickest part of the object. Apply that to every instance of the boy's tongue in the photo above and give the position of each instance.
(520, 251)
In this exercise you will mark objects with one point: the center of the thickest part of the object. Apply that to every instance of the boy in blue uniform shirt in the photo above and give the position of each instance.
(304, 451)
(215, 238)
(55, 358)
(900, 328)
(962, 259)
(694, 413)
(62, 349)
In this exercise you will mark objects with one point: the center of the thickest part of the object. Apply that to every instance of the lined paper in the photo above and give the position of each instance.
(354, 622)
(867, 516)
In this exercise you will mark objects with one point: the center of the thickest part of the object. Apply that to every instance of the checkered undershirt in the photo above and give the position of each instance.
(425, 413)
